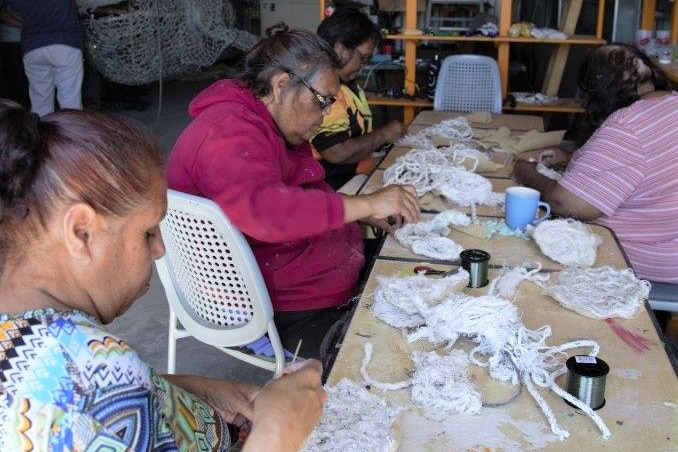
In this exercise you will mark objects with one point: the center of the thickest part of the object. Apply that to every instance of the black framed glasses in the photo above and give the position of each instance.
(364, 57)
(324, 101)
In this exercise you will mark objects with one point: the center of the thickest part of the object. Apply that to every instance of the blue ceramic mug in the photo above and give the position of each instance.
(522, 205)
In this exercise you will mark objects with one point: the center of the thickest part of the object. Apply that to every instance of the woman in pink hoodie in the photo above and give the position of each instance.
(247, 149)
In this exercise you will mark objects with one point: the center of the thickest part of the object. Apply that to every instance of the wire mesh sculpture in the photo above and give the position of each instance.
(135, 42)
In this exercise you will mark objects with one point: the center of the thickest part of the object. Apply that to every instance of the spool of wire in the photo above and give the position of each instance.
(586, 379)
(475, 262)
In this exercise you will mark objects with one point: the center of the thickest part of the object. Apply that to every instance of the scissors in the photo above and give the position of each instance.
(429, 271)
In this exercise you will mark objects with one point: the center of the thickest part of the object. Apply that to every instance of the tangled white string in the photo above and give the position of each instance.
(432, 170)
(393, 308)
(567, 241)
(505, 284)
(442, 383)
(511, 351)
(457, 128)
(354, 419)
(429, 238)
(152, 39)
(601, 292)
(548, 172)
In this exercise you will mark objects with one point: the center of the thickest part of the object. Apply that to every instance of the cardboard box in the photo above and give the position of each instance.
(399, 5)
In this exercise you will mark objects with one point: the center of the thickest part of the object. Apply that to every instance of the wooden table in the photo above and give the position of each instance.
(641, 394)
(500, 179)
(641, 408)
(511, 121)
(503, 250)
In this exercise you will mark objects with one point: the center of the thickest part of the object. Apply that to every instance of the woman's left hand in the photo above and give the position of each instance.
(230, 398)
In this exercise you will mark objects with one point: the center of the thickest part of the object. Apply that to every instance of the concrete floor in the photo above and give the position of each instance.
(144, 326)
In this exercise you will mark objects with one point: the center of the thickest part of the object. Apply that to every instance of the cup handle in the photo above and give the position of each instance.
(547, 213)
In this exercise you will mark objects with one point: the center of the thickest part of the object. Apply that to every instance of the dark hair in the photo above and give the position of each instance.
(609, 80)
(284, 50)
(70, 156)
(349, 27)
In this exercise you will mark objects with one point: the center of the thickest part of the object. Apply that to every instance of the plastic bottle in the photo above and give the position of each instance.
(432, 76)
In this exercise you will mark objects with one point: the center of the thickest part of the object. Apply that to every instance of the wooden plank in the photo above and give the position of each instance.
(398, 102)
(576, 39)
(513, 122)
(647, 14)
(556, 66)
(562, 106)
(505, 13)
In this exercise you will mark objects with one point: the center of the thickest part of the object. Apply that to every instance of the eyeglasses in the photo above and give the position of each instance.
(364, 57)
(324, 101)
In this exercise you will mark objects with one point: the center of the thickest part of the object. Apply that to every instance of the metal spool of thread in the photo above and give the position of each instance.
(586, 379)
(475, 263)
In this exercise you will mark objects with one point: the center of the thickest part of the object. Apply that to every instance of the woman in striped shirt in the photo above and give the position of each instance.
(624, 175)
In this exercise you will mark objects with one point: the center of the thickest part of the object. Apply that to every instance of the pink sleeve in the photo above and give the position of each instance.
(607, 169)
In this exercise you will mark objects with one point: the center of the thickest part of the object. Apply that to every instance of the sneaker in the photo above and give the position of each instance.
(263, 348)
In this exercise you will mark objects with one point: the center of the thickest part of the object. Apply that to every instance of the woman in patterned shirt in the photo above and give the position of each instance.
(81, 197)
(345, 142)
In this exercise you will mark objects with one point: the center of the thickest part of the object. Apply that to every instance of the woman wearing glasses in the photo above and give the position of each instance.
(248, 150)
(346, 140)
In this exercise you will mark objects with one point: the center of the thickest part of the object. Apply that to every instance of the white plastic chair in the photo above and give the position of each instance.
(213, 283)
(468, 83)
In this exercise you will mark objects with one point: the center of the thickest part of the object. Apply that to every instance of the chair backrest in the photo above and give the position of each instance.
(468, 83)
(212, 281)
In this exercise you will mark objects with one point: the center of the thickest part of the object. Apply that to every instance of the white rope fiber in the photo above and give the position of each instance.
(431, 170)
(510, 351)
(548, 172)
(429, 238)
(404, 312)
(449, 129)
(505, 284)
(600, 293)
(567, 241)
(442, 383)
(354, 419)
(377, 384)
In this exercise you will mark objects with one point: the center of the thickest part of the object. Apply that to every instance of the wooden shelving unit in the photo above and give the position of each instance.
(503, 43)
(373, 99)
(647, 18)
(647, 23)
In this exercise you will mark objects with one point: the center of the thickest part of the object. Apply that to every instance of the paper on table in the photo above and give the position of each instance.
(528, 141)
(535, 140)
(484, 117)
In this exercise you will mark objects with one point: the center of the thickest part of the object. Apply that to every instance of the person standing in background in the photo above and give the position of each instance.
(51, 42)
(13, 81)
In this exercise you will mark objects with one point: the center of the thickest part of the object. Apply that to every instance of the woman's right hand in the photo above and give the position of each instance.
(393, 131)
(394, 200)
(287, 409)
